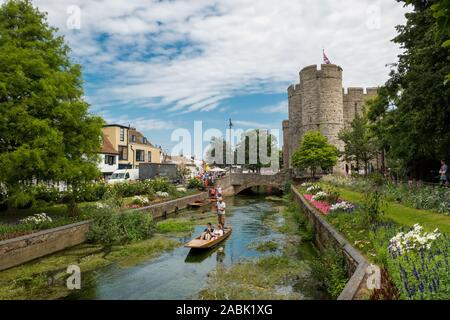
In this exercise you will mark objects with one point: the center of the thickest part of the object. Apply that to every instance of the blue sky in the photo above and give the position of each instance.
(161, 65)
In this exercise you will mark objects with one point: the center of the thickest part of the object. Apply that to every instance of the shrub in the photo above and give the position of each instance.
(329, 269)
(92, 192)
(162, 185)
(195, 183)
(333, 195)
(372, 206)
(135, 226)
(111, 227)
(42, 192)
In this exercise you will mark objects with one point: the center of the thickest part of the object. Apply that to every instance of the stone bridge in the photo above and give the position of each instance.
(238, 182)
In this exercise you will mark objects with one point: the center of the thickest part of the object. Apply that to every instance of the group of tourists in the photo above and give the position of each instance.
(211, 233)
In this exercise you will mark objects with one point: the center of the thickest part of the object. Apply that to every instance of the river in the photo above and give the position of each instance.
(182, 274)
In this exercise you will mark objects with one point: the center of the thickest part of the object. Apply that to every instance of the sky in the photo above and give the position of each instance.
(161, 65)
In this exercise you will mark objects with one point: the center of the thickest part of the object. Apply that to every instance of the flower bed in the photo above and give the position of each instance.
(325, 201)
(322, 206)
(419, 264)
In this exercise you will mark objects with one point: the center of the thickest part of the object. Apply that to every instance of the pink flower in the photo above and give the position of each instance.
(322, 206)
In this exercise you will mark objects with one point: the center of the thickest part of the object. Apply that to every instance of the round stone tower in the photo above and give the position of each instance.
(295, 119)
(322, 103)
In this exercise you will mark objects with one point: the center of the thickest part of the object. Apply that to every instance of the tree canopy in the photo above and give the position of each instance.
(413, 109)
(360, 144)
(46, 130)
(315, 152)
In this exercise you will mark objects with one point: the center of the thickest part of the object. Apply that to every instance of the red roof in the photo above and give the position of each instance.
(107, 146)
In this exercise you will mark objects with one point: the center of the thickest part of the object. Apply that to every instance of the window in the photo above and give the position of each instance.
(140, 155)
(133, 138)
(144, 140)
(110, 160)
(122, 134)
(123, 154)
(149, 156)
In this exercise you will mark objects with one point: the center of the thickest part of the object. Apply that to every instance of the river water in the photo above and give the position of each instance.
(182, 274)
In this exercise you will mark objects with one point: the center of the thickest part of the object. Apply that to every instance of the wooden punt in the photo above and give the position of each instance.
(198, 243)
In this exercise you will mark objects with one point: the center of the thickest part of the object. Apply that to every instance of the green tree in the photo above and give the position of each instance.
(315, 152)
(413, 109)
(257, 149)
(360, 143)
(46, 130)
(441, 12)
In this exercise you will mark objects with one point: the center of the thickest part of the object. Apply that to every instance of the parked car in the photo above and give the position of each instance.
(124, 175)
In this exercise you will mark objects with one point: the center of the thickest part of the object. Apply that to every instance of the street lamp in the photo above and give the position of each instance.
(231, 151)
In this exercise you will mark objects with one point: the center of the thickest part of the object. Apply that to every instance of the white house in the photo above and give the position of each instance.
(109, 158)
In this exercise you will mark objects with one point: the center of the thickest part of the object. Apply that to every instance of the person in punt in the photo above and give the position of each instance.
(218, 232)
(208, 232)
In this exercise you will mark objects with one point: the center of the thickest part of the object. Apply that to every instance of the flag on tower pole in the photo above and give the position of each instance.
(325, 58)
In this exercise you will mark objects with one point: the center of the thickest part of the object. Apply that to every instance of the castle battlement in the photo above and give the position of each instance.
(360, 91)
(294, 90)
(326, 71)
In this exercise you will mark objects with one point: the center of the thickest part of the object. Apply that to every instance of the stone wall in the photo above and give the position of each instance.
(16, 251)
(19, 250)
(325, 236)
(161, 210)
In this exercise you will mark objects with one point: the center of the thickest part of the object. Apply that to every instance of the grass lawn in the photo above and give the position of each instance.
(403, 215)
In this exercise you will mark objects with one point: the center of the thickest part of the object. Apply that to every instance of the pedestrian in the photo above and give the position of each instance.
(443, 173)
(221, 211)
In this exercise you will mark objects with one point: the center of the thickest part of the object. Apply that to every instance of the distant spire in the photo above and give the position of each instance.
(325, 58)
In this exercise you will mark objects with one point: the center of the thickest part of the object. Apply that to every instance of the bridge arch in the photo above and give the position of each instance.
(238, 182)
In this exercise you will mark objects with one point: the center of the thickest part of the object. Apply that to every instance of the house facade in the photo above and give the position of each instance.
(132, 146)
(109, 158)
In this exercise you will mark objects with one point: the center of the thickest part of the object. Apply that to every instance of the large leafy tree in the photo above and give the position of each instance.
(413, 108)
(441, 11)
(315, 153)
(360, 144)
(46, 130)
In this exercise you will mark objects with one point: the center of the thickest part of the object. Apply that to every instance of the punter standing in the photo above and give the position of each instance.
(221, 211)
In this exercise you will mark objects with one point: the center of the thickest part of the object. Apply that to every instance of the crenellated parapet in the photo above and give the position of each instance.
(355, 100)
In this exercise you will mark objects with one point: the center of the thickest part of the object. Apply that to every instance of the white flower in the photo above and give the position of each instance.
(162, 194)
(141, 199)
(38, 218)
(181, 189)
(415, 239)
(342, 206)
(313, 189)
(320, 196)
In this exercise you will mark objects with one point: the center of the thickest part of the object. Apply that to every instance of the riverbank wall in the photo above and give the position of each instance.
(324, 236)
(16, 251)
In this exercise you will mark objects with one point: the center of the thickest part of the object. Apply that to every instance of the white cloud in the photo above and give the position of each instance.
(281, 107)
(253, 125)
(234, 46)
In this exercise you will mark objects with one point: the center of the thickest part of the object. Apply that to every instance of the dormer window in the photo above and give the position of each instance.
(133, 138)
(144, 140)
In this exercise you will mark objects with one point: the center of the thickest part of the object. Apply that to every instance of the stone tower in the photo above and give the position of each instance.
(320, 103)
